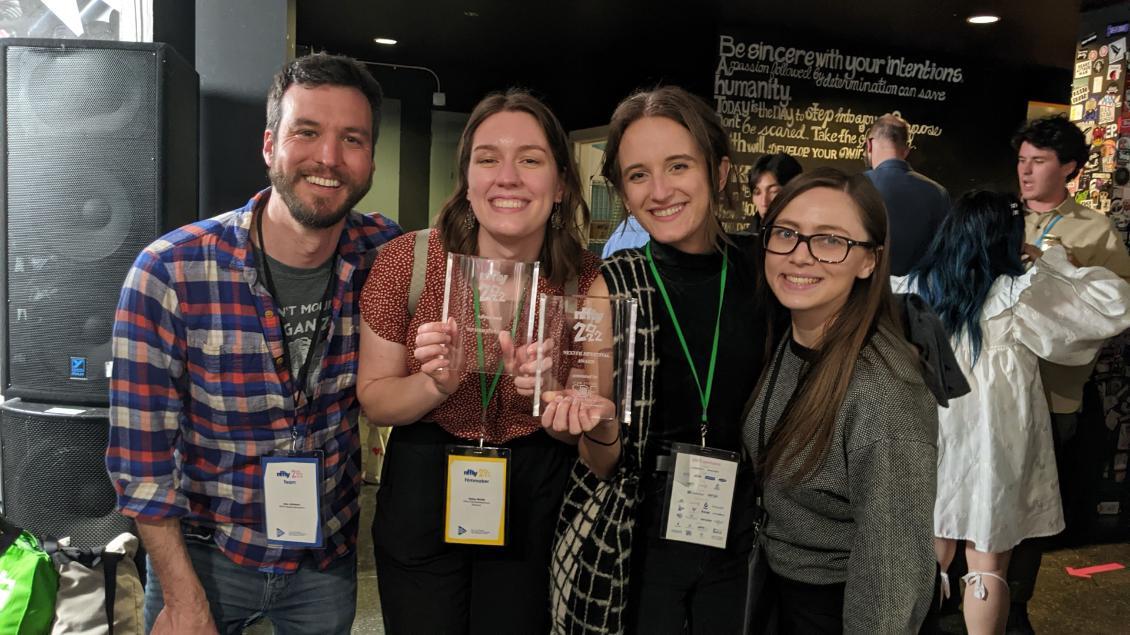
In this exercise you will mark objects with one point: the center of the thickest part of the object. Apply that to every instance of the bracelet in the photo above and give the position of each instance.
(599, 442)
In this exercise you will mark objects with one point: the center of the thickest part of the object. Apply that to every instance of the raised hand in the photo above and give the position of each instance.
(523, 365)
(439, 349)
(1029, 253)
(571, 412)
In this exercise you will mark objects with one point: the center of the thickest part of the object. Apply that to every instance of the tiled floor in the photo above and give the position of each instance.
(1063, 604)
(368, 618)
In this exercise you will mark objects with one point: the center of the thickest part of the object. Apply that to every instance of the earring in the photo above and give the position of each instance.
(469, 220)
(555, 220)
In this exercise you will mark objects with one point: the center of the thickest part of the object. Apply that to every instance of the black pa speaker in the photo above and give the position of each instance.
(99, 159)
(54, 474)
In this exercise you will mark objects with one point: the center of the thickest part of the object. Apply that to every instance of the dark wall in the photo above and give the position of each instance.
(239, 48)
(819, 105)
(584, 85)
(1096, 21)
(414, 90)
(174, 23)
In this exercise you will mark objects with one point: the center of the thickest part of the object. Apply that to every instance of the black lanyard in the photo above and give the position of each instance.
(322, 327)
(770, 386)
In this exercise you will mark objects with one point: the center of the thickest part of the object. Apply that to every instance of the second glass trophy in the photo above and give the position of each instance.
(585, 350)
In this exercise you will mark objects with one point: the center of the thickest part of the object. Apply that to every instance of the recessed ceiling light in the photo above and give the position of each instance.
(983, 19)
(384, 40)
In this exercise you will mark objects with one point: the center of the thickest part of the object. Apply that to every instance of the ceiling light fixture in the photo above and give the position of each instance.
(439, 99)
(983, 19)
(384, 40)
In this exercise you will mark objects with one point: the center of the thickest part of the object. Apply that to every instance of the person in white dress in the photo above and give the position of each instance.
(997, 481)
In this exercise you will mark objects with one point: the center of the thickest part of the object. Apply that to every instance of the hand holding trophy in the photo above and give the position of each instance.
(581, 364)
(439, 349)
(522, 363)
(579, 411)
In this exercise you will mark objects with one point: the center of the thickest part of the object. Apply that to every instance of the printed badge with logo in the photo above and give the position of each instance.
(477, 486)
(700, 495)
(292, 499)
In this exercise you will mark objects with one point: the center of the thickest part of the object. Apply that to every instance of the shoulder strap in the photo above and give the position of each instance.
(110, 562)
(419, 269)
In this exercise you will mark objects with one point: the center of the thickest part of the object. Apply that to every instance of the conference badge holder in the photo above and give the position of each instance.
(700, 495)
(292, 498)
(477, 500)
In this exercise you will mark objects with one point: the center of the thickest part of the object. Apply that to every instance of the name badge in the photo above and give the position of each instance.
(478, 484)
(292, 487)
(700, 495)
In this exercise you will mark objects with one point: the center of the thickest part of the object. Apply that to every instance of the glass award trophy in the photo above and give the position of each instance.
(586, 349)
(491, 301)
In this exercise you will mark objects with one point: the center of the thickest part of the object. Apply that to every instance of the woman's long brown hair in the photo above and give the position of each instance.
(805, 432)
(561, 249)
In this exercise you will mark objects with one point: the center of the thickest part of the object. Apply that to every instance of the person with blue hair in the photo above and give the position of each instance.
(997, 480)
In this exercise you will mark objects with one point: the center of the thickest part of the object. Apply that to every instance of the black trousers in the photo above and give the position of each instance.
(806, 609)
(429, 586)
(678, 587)
(1024, 564)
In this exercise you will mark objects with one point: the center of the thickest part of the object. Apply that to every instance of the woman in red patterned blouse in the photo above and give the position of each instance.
(517, 198)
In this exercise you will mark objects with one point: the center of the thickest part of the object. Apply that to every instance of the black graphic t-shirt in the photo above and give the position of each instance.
(299, 304)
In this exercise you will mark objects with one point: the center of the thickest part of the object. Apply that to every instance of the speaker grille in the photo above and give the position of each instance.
(85, 192)
(54, 474)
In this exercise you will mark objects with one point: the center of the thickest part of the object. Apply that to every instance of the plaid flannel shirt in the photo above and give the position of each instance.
(199, 390)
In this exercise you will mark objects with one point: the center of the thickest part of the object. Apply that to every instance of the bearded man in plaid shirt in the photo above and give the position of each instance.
(235, 358)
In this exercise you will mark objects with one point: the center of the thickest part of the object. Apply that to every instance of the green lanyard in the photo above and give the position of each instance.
(704, 395)
(484, 392)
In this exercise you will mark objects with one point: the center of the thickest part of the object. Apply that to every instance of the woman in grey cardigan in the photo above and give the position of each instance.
(843, 427)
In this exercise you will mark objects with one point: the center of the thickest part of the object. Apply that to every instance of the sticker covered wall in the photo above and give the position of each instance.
(1100, 109)
(1103, 184)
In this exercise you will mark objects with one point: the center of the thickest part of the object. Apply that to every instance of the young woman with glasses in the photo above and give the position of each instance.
(842, 426)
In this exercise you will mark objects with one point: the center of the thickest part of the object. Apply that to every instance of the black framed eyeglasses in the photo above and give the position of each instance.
(827, 248)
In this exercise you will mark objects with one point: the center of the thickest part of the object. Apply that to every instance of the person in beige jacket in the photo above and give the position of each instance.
(1050, 152)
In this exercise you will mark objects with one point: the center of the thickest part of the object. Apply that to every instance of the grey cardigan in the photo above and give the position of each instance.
(865, 517)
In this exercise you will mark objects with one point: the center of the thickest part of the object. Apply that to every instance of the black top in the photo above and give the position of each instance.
(692, 282)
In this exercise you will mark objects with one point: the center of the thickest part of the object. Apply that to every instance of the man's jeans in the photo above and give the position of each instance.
(306, 601)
